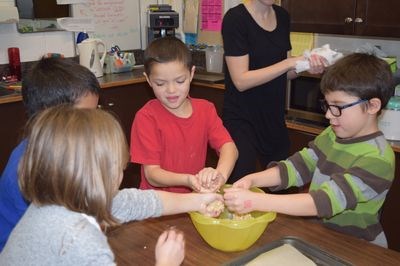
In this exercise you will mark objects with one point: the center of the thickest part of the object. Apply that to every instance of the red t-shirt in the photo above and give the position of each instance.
(176, 144)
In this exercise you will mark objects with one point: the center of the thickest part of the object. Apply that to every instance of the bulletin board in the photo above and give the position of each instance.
(117, 22)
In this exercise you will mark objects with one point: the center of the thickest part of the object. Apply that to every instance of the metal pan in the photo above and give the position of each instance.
(318, 256)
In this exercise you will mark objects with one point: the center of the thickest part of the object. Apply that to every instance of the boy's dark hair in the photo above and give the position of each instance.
(361, 75)
(54, 81)
(165, 50)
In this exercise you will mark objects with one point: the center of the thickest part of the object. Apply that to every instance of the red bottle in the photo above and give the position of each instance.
(14, 62)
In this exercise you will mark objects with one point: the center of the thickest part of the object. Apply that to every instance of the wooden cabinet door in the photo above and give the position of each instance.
(377, 18)
(349, 17)
(321, 16)
(215, 96)
(13, 119)
(390, 217)
(124, 102)
(299, 140)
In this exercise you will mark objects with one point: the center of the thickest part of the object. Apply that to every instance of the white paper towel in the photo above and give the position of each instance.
(324, 51)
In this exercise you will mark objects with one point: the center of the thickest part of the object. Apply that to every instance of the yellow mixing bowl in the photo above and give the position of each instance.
(232, 235)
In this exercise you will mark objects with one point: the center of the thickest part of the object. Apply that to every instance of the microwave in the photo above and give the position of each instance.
(303, 97)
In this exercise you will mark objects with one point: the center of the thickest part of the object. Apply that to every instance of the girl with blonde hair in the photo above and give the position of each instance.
(70, 172)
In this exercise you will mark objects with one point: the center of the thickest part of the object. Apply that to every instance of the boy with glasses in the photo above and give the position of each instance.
(350, 165)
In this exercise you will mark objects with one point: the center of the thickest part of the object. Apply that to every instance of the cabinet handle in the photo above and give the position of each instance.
(348, 20)
(358, 20)
(110, 104)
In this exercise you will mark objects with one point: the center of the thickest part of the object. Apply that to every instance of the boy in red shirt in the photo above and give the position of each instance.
(170, 134)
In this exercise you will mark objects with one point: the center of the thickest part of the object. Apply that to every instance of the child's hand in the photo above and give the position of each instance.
(194, 183)
(170, 248)
(210, 180)
(242, 183)
(239, 200)
(208, 203)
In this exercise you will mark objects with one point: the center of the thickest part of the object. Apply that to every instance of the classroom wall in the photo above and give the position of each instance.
(34, 45)
(349, 43)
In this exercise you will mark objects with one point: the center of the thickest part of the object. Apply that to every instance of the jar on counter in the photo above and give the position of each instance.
(14, 62)
(389, 120)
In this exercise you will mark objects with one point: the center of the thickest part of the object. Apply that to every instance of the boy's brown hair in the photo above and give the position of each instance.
(53, 81)
(74, 158)
(361, 75)
(165, 50)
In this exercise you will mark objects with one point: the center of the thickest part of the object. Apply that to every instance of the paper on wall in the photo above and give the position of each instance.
(190, 16)
(211, 15)
(301, 41)
(76, 24)
(67, 2)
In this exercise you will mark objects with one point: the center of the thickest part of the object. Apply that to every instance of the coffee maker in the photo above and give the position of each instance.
(161, 21)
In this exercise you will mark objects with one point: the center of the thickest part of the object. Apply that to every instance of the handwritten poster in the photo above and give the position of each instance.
(117, 22)
(211, 15)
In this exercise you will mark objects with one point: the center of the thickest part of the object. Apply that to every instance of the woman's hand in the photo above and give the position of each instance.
(317, 64)
(291, 62)
(170, 248)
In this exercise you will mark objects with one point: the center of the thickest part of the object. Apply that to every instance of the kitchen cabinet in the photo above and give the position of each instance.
(215, 96)
(13, 119)
(355, 17)
(299, 140)
(124, 102)
(390, 218)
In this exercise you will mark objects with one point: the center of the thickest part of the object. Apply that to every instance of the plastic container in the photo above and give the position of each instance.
(389, 120)
(230, 235)
(119, 64)
(214, 58)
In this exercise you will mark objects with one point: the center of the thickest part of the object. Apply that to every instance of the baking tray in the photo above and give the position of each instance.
(318, 256)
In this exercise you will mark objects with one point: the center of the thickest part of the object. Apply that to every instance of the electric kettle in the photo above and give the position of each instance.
(89, 55)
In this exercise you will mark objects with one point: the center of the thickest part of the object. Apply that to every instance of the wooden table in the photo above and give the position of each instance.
(133, 243)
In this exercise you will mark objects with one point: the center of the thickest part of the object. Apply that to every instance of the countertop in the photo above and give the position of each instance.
(134, 243)
(212, 80)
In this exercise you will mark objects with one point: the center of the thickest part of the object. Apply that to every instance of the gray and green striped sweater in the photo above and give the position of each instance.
(349, 180)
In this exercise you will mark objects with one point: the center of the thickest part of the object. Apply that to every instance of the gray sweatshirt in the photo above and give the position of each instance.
(54, 235)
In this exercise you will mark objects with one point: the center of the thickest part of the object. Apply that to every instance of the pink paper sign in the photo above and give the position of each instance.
(211, 15)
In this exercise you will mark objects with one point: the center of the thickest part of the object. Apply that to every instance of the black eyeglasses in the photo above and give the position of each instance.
(336, 110)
